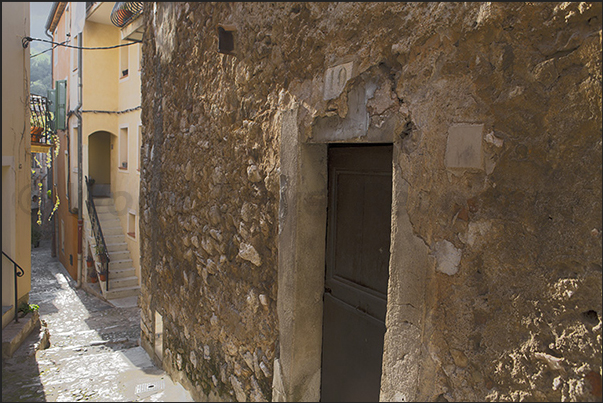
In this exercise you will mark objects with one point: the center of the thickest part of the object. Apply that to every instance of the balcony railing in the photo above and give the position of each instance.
(124, 12)
(41, 123)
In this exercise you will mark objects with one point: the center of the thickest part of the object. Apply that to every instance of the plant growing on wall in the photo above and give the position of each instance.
(26, 308)
(99, 249)
(57, 146)
(41, 119)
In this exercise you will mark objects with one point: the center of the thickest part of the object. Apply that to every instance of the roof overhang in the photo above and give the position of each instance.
(100, 12)
(56, 11)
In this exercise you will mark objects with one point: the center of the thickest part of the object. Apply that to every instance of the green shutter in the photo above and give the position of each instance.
(61, 88)
(52, 108)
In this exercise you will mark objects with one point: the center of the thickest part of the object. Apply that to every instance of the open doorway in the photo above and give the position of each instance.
(99, 163)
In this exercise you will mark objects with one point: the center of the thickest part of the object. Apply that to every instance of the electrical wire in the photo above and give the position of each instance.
(49, 49)
(28, 39)
(44, 51)
(116, 112)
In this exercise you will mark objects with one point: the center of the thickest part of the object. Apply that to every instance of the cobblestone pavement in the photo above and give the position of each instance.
(94, 352)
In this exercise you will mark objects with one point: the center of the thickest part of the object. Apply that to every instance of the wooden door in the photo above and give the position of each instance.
(357, 262)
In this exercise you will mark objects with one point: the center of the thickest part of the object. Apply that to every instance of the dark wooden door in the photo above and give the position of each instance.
(355, 297)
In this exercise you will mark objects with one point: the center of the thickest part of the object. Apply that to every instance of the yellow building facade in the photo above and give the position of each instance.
(107, 111)
(16, 159)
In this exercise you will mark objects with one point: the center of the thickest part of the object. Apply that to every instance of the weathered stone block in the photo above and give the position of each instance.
(249, 253)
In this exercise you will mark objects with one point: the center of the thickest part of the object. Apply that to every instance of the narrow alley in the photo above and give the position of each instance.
(94, 352)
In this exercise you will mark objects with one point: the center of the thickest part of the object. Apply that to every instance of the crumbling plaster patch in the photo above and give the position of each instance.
(448, 257)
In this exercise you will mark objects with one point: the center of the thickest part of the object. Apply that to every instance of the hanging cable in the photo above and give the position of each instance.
(44, 51)
(49, 49)
(28, 39)
(116, 112)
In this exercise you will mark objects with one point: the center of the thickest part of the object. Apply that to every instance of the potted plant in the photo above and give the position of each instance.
(103, 275)
(89, 261)
(92, 277)
(100, 251)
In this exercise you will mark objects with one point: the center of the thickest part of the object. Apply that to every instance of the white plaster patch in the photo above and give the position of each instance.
(448, 257)
(381, 99)
(464, 147)
(492, 139)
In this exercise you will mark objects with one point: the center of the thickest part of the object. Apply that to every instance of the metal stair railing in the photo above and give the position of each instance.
(101, 246)
(18, 273)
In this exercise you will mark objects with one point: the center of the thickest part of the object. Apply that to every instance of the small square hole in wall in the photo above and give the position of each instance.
(226, 39)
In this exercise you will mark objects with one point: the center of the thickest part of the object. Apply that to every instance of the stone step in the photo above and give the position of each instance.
(103, 209)
(116, 247)
(121, 282)
(121, 272)
(15, 333)
(119, 255)
(120, 292)
(125, 264)
(109, 231)
(106, 215)
(109, 222)
(103, 201)
(112, 239)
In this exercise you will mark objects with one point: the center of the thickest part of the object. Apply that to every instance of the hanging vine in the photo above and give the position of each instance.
(42, 133)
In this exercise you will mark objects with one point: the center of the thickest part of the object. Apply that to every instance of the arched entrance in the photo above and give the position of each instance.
(99, 162)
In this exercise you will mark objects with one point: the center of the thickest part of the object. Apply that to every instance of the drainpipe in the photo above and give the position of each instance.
(79, 166)
(53, 251)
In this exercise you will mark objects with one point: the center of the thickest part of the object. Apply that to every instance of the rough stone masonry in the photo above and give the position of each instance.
(494, 111)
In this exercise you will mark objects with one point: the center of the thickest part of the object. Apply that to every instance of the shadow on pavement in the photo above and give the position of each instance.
(62, 304)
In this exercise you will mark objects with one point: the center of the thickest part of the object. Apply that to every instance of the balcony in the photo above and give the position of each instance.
(125, 15)
(41, 124)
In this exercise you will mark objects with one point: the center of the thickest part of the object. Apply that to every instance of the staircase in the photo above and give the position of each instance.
(123, 281)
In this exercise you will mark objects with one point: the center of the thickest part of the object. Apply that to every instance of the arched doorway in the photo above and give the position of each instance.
(99, 162)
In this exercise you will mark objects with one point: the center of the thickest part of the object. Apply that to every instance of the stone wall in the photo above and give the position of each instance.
(494, 110)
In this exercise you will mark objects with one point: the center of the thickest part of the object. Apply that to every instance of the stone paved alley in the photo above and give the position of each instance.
(94, 352)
